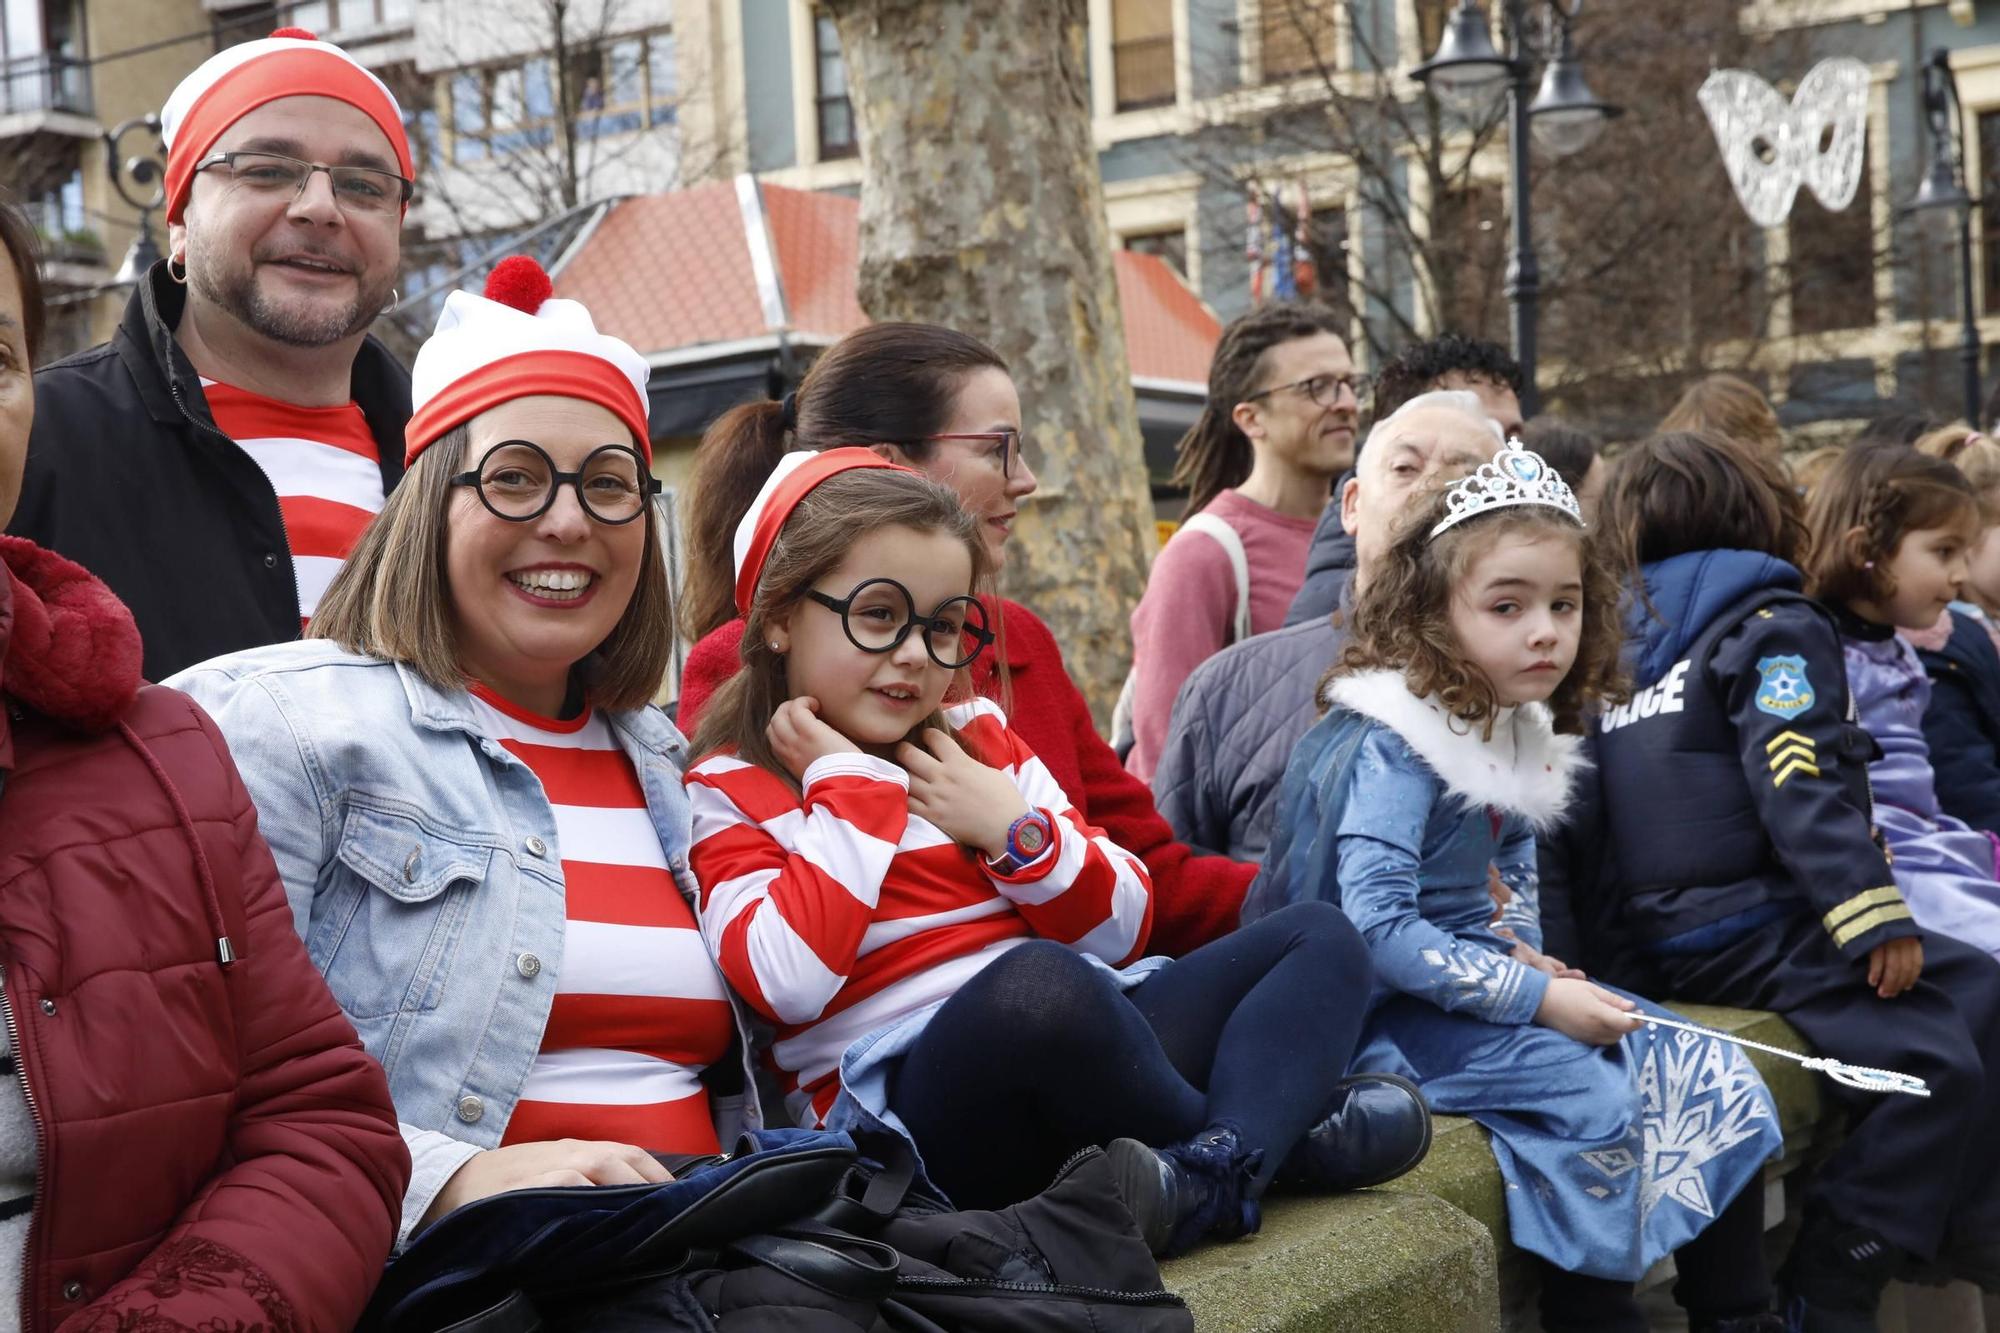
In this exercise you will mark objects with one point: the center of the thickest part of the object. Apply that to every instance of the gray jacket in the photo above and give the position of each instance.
(1329, 566)
(1234, 724)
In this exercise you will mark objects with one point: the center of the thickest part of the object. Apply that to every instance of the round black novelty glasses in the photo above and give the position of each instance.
(879, 614)
(517, 481)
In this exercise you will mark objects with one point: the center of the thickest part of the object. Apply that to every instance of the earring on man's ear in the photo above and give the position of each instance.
(182, 276)
(395, 299)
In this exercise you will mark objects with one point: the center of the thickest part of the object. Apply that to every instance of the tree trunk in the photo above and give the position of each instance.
(982, 209)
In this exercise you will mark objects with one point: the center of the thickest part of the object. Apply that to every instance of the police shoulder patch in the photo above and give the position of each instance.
(1783, 690)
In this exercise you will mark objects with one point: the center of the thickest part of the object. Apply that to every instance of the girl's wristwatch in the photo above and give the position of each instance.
(1027, 838)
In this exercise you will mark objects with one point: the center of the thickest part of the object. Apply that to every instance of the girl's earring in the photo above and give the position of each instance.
(1866, 564)
(776, 649)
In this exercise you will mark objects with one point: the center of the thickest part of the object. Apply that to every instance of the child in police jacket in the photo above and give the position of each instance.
(1735, 854)
(1452, 734)
(1891, 530)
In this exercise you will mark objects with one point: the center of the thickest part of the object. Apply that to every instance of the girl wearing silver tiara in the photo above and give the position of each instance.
(1451, 736)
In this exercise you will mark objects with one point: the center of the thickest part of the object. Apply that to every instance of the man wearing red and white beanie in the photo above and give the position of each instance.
(214, 462)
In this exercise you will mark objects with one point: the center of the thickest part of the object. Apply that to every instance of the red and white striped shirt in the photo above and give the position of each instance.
(322, 462)
(840, 912)
(639, 1010)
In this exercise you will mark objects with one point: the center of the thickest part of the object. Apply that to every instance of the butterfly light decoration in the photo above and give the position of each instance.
(1771, 146)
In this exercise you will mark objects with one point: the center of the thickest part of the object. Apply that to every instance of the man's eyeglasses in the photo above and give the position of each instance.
(1322, 389)
(355, 189)
(517, 481)
(880, 613)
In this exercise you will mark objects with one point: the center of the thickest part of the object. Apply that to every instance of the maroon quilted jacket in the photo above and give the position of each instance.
(216, 1150)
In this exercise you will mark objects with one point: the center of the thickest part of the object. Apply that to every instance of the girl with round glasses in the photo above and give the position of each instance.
(945, 945)
(476, 810)
(942, 402)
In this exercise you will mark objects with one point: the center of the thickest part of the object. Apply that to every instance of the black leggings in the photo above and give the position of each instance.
(1040, 1054)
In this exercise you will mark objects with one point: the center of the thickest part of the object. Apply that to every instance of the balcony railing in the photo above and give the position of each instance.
(45, 83)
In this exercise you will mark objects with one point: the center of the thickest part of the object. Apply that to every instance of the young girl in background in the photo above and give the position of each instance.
(1891, 530)
(1729, 856)
(900, 887)
(1961, 653)
(1452, 735)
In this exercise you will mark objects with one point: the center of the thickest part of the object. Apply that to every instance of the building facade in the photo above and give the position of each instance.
(1200, 110)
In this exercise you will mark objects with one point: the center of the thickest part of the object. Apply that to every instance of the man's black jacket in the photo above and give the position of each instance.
(128, 476)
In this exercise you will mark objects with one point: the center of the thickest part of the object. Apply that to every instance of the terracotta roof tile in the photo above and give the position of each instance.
(668, 271)
(671, 271)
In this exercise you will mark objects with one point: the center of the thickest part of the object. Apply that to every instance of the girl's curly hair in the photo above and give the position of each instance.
(1871, 499)
(1402, 619)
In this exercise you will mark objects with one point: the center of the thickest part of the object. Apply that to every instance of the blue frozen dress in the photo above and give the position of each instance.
(1613, 1155)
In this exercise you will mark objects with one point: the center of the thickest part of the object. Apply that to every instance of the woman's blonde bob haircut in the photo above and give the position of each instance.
(392, 599)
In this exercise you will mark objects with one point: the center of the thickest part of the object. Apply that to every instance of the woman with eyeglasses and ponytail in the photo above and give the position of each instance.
(943, 403)
(475, 807)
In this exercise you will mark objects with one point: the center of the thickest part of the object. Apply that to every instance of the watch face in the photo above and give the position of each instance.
(1031, 837)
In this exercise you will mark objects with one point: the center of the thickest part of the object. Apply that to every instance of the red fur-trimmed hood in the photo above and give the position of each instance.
(69, 647)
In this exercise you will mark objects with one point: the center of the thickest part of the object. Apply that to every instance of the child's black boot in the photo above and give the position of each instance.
(1376, 1129)
(1185, 1191)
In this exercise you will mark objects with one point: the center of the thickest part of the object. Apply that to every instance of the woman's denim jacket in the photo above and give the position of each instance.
(424, 874)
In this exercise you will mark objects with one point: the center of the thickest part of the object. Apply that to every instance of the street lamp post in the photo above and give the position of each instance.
(1466, 71)
(1943, 187)
(144, 169)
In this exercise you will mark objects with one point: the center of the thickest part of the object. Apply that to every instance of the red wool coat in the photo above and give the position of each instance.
(1195, 898)
(216, 1149)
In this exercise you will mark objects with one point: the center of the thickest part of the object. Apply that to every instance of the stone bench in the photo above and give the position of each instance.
(1429, 1252)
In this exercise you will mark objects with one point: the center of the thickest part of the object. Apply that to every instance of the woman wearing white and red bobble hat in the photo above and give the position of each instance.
(477, 812)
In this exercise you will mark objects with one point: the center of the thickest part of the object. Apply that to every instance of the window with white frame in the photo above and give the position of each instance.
(1169, 243)
(834, 109)
(614, 88)
(1142, 53)
(1297, 38)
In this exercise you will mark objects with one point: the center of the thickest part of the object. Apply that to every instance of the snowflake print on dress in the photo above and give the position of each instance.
(1475, 978)
(1702, 1098)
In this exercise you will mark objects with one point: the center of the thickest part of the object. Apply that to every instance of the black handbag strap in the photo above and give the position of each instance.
(843, 1266)
(881, 1196)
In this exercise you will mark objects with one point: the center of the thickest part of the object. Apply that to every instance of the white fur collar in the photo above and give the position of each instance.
(1526, 769)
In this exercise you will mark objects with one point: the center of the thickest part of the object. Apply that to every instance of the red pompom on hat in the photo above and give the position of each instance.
(519, 281)
(519, 340)
(229, 85)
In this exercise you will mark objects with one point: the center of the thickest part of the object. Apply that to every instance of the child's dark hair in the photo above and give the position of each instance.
(1692, 490)
(1402, 618)
(815, 539)
(1873, 497)
(881, 384)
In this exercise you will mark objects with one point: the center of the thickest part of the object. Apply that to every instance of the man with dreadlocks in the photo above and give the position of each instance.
(1259, 465)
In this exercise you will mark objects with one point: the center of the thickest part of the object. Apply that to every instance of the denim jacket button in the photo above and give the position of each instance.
(410, 865)
(528, 965)
(677, 864)
(470, 1109)
(536, 847)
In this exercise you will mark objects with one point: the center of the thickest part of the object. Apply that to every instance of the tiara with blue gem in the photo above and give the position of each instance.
(1516, 476)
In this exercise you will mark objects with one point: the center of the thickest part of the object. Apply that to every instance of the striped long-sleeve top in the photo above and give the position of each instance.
(836, 912)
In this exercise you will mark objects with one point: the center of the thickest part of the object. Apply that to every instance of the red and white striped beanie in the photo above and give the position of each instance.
(518, 341)
(795, 477)
(230, 84)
